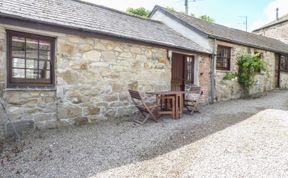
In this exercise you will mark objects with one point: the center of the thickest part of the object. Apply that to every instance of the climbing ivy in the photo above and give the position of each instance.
(248, 66)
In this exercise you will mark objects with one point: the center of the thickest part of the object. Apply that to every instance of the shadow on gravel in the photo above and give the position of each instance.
(195, 132)
(113, 144)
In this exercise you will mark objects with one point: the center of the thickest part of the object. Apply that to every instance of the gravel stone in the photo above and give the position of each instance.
(239, 138)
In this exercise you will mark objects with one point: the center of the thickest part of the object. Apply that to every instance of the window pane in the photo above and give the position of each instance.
(31, 64)
(18, 73)
(44, 45)
(47, 75)
(31, 74)
(18, 52)
(44, 65)
(18, 42)
(44, 55)
(18, 63)
(31, 43)
(44, 74)
(32, 54)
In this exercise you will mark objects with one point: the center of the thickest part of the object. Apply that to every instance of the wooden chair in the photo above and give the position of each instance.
(145, 110)
(192, 99)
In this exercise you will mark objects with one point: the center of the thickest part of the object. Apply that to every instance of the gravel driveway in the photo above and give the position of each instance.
(223, 141)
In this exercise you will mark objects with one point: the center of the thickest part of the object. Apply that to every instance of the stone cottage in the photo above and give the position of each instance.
(61, 60)
(278, 29)
(226, 45)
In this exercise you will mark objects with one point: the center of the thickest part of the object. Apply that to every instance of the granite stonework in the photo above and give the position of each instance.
(92, 80)
(278, 32)
(284, 80)
(230, 89)
(204, 77)
(94, 75)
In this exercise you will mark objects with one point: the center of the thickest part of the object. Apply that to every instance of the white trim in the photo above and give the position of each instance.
(197, 59)
(183, 30)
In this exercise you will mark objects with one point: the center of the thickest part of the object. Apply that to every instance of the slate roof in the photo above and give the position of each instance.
(274, 22)
(98, 19)
(224, 33)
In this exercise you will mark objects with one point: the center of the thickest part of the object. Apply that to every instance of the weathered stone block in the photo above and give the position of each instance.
(93, 110)
(48, 124)
(109, 56)
(93, 55)
(133, 85)
(44, 117)
(81, 121)
(69, 111)
(84, 48)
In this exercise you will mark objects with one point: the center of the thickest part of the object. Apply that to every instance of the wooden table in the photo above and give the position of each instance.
(178, 98)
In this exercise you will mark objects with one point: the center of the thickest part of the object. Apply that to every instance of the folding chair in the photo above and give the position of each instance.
(192, 99)
(145, 110)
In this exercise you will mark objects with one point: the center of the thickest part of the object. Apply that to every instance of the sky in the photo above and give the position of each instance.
(230, 13)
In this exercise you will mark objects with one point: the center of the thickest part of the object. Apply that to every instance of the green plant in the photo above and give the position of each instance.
(141, 11)
(248, 65)
(230, 75)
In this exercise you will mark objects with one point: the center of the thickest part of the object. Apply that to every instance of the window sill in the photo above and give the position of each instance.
(223, 70)
(30, 89)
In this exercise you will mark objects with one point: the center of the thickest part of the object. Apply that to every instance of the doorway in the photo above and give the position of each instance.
(183, 72)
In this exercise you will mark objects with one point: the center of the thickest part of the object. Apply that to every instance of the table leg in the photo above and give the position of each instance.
(177, 106)
(181, 103)
(157, 106)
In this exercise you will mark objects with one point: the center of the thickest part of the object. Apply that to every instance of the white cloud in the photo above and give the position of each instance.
(270, 10)
(270, 13)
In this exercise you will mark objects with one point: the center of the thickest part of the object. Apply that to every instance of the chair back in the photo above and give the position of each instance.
(193, 92)
(137, 100)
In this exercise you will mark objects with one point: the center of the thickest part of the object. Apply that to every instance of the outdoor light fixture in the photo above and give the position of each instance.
(169, 55)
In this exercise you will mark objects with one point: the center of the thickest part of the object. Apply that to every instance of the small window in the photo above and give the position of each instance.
(284, 63)
(30, 59)
(223, 58)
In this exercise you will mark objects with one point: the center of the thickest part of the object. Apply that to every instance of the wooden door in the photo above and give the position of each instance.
(182, 71)
(177, 72)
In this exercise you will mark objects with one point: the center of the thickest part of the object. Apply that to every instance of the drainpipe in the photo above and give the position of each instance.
(213, 73)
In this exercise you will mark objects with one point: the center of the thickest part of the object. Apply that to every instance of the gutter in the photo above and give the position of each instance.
(213, 92)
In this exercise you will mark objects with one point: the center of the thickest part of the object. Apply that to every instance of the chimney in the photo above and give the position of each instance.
(277, 13)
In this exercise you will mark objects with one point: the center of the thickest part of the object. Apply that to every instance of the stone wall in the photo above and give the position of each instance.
(230, 89)
(284, 80)
(204, 76)
(278, 32)
(93, 76)
(92, 80)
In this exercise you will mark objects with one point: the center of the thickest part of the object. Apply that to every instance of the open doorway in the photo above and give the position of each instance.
(183, 71)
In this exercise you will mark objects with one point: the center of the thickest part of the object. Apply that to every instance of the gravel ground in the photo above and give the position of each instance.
(223, 141)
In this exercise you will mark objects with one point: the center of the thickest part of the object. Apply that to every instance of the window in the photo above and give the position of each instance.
(284, 63)
(261, 55)
(189, 69)
(223, 58)
(30, 59)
